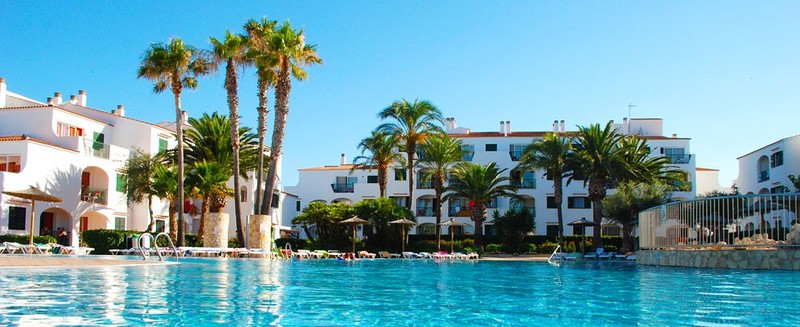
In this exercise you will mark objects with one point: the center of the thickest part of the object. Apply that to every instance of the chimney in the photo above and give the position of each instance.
(120, 111)
(73, 99)
(82, 98)
(674, 135)
(508, 127)
(502, 127)
(625, 128)
(57, 98)
(449, 123)
(3, 92)
(185, 117)
(555, 126)
(561, 125)
(49, 101)
(453, 122)
(344, 159)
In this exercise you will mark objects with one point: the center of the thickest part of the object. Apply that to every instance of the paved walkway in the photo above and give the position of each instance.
(38, 261)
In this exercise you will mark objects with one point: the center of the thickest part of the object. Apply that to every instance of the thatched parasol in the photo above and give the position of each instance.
(403, 222)
(355, 221)
(33, 194)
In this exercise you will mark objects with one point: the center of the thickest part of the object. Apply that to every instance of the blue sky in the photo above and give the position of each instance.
(724, 73)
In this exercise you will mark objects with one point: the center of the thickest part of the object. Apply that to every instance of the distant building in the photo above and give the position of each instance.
(767, 169)
(337, 183)
(708, 181)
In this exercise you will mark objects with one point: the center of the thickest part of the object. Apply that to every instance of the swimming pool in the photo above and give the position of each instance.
(396, 292)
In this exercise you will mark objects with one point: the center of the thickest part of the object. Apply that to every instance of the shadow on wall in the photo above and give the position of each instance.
(68, 183)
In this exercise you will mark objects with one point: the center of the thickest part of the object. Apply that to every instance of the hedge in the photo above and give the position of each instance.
(103, 240)
(24, 239)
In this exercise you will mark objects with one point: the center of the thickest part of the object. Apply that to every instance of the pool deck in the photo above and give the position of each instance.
(42, 261)
(35, 261)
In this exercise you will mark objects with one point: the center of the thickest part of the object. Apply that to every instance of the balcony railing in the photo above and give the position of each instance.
(428, 184)
(458, 212)
(526, 183)
(343, 188)
(763, 175)
(94, 194)
(679, 158)
(424, 211)
(96, 149)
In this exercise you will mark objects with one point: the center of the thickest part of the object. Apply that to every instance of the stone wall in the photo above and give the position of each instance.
(215, 230)
(258, 233)
(776, 259)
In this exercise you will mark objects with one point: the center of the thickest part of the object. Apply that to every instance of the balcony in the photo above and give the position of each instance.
(343, 188)
(424, 211)
(94, 194)
(679, 158)
(104, 151)
(525, 183)
(458, 212)
(763, 175)
(423, 185)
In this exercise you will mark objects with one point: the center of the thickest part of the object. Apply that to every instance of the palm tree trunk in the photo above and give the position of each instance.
(411, 148)
(203, 212)
(439, 187)
(232, 86)
(478, 216)
(597, 191)
(173, 222)
(150, 210)
(282, 90)
(382, 180)
(176, 90)
(559, 199)
(626, 237)
(262, 131)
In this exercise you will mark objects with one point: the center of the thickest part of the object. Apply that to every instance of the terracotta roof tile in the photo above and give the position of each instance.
(705, 169)
(337, 167)
(59, 108)
(32, 139)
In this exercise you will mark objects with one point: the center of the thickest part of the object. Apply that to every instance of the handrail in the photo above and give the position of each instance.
(550, 259)
(171, 244)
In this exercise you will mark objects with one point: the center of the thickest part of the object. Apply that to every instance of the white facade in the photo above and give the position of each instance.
(708, 181)
(767, 169)
(337, 183)
(76, 153)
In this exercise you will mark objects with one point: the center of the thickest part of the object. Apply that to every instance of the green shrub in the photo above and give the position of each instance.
(547, 247)
(493, 248)
(609, 248)
(296, 243)
(103, 240)
(532, 248)
(24, 239)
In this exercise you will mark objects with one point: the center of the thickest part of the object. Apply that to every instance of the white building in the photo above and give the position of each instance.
(337, 183)
(76, 152)
(767, 169)
(708, 181)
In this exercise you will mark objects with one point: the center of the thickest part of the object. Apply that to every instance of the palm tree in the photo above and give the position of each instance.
(288, 52)
(628, 200)
(233, 52)
(382, 150)
(479, 184)
(174, 65)
(259, 33)
(207, 179)
(209, 139)
(138, 170)
(165, 186)
(413, 123)
(437, 156)
(550, 154)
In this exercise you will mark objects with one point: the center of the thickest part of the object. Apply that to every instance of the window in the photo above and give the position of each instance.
(399, 174)
(578, 202)
(776, 159)
(552, 231)
(276, 201)
(372, 179)
(763, 168)
(515, 151)
(119, 223)
(63, 129)
(16, 218)
(11, 163)
(492, 203)
(162, 145)
(458, 207)
(344, 184)
(523, 179)
(676, 155)
(467, 152)
(297, 206)
(426, 229)
(243, 194)
(161, 225)
(551, 202)
(400, 200)
(611, 230)
(779, 189)
(122, 183)
(425, 207)
(491, 147)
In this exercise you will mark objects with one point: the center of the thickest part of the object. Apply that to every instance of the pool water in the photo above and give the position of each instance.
(397, 292)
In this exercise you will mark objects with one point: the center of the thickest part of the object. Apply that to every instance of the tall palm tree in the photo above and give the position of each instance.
(288, 52)
(209, 139)
(165, 186)
(599, 159)
(206, 180)
(550, 154)
(233, 51)
(175, 65)
(479, 184)
(413, 123)
(259, 33)
(437, 157)
(379, 150)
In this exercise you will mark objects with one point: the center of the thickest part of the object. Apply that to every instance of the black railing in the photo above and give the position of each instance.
(763, 175)
(679, 158)
(526, 183)
(342, 188)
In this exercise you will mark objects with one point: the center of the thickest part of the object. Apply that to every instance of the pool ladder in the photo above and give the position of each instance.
(146, 253)
(550, 259)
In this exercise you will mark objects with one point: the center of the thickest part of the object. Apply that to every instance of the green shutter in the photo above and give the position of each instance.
(122, 183)
(162, 145)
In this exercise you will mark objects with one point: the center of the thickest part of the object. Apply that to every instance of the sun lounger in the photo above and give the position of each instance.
(411, 255)
(365, 254)
(443, 255)
(334, 254)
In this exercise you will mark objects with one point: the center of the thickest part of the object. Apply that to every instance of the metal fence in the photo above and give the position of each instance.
(741, 220)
